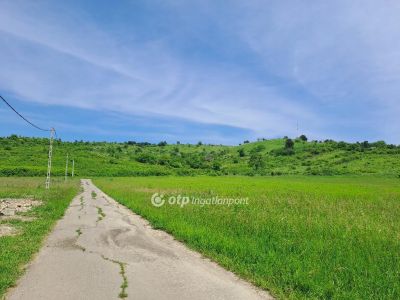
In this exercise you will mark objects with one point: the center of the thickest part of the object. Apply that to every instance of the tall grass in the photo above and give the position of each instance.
(299, 237)
(16, 251)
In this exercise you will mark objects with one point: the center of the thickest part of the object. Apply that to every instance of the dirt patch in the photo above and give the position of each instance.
(10, 207)
(7, 230)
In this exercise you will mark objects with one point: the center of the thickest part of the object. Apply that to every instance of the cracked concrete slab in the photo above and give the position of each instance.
(102, 250)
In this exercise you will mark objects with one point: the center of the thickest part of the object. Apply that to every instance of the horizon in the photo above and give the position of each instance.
(156, 143)
(201, 70)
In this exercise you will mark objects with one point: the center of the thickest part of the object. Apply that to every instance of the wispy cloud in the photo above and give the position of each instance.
(262, 68)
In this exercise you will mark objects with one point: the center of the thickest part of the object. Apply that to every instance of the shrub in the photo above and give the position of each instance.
(303, 138)
(146, 158)
(289, 144)
(256, 161)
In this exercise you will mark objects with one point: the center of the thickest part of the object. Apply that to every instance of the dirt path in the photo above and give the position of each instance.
(101, 250)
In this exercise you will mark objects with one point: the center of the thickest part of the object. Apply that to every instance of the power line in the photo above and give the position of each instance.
(52, 133)
(25, 119)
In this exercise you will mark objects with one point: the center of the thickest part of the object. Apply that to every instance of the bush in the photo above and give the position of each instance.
(146, 158)
(289, 144)
(282, 152)
(303, 138)
(256, 161)
(258, 148)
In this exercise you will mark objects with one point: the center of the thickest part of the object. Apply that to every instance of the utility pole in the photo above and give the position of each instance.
(73, 167)
(52, 131)
(66, 168)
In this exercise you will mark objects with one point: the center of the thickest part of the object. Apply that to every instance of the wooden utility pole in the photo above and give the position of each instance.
(73, 167)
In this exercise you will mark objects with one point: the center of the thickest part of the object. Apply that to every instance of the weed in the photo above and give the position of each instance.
(82, 203)
(100, 213)
(79, 232)
(122, 272)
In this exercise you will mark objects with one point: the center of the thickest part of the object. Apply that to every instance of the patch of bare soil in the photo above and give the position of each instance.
(7, 230)
(11, 207)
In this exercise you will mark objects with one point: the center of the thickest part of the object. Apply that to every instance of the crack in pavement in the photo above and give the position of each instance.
(82, 203)
(124, 284)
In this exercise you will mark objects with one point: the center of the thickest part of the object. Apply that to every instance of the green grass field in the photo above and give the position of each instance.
(299, 237)
(16, 251)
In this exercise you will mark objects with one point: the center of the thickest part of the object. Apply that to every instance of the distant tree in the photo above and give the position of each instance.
(289, 144)
(256, 161)
(241, 152)
(178, 142)
(365, 145)
(163, 160)
(143, 144)
(216, 166)
(146, 158)
(303, 138)
(379, 144)
(208, 157)
(258, 148)
(162, 144)
(175, 150)
(246, 142)
(199, 143)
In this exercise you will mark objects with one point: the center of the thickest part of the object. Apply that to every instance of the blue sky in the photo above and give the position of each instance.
(215, 71)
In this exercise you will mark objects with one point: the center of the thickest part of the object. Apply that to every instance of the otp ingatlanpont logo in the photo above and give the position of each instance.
(157, 200)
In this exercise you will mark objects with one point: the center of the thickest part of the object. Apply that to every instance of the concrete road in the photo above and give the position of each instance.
(101, 250)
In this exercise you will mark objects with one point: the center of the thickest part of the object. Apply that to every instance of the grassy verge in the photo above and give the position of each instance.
(299, 237)
(16, 251)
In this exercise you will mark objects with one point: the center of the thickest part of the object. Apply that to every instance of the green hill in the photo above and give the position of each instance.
(22, 156)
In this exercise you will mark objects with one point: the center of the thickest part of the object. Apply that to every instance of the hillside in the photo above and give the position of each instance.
(22, 156)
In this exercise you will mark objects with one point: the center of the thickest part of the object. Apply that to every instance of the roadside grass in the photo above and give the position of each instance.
(17, 251)
(299, 237)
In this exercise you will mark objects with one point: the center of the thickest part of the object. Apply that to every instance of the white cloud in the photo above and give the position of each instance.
(334, 52)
